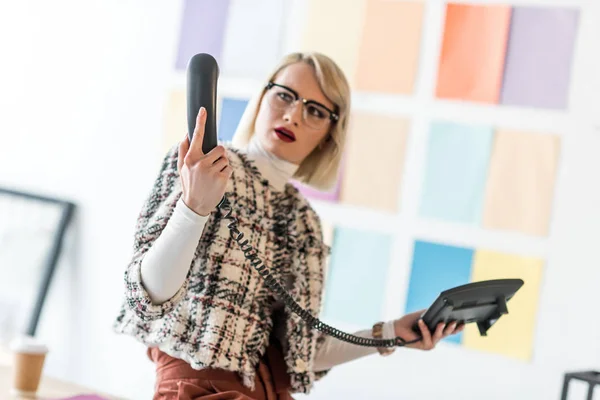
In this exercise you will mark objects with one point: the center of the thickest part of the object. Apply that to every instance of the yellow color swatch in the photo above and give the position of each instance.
(374, 161)
(389, 51)
(174, 119)
(512, 335)
(520, 186)
(334, 28)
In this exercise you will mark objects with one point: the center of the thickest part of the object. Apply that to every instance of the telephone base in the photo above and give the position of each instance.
(482, 303)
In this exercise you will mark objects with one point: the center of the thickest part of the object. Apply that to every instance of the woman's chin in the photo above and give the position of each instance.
(279, 150)
(274, 144)
(278, 147)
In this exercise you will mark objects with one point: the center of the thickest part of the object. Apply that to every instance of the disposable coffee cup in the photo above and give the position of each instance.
(29, 355)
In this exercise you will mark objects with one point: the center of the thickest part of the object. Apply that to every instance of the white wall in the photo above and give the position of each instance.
(82, 90)
(83, 86)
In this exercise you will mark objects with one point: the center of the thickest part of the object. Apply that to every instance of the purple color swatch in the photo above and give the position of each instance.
(332, 196)
(202, 30)
(539, 57)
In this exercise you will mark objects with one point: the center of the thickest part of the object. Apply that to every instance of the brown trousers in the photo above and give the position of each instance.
(176, 379)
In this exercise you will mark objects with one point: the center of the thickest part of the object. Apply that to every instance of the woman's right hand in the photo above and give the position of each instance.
(203, 176)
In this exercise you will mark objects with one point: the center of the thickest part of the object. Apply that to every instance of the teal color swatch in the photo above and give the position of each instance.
(356, 280)
(456, 172)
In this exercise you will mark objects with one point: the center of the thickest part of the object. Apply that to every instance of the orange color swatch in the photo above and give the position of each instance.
(374, 164)
(389, 51)
(473, 51)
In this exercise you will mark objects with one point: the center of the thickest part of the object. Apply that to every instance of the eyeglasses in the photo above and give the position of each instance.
(314, 114)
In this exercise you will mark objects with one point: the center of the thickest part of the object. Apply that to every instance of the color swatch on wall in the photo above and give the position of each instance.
(507, 55)
(230, 114)
(472, 55)
(174, 120)
(539, 58)
(389, 51)
(356, 280)
(513, 334)
(202, 26)
(521, 180)
(229, 31)
(437, 267)
(456, 171)
(490, 177)
(252, 37)
(321, 35)
(374, 161)
(331, 195)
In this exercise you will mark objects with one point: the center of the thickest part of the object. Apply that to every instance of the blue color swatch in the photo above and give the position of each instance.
(435, 268)
(356, 280)
(231, 113)
(456, 172)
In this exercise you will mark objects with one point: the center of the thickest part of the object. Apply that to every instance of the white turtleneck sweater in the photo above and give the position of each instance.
(166, 264)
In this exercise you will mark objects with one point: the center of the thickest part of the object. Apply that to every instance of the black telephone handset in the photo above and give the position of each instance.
(202, 76)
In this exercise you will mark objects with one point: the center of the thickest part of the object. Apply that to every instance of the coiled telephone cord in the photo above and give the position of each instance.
(289, 301)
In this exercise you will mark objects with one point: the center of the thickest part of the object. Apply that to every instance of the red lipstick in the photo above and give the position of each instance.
(285, 134)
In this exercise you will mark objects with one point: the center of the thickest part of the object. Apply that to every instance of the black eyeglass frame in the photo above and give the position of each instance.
(333, 116)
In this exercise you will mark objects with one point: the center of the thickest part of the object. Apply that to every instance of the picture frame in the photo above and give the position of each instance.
(32, 232)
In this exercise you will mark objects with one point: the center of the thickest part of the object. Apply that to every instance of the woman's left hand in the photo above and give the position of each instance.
(403, 328)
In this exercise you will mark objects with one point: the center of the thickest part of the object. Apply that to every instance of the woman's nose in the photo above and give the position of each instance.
(293, 113)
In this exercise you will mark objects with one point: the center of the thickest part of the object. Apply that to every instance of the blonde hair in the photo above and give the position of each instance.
(320, 168)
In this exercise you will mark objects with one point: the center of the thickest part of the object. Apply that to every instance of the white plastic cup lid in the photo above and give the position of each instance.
(28, 344)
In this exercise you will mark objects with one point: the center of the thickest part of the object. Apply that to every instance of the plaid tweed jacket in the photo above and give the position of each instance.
(221, 316)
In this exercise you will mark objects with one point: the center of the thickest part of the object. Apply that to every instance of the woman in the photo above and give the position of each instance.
(212, 326)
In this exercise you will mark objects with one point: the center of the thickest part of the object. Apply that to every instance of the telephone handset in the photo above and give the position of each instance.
(202, 76)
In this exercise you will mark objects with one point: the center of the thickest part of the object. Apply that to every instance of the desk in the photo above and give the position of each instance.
(50, 388)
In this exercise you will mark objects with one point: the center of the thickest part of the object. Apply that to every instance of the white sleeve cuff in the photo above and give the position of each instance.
(388, 330)
(184, 212)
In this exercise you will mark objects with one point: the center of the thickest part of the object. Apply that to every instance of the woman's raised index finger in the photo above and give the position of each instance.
(198, 138)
